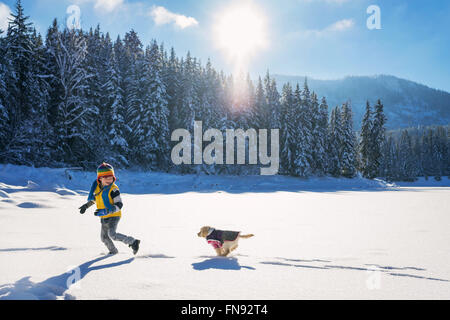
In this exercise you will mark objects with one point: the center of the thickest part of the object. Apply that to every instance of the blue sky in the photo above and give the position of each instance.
(324, 39)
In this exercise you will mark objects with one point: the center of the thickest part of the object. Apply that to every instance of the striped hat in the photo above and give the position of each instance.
(105, 170)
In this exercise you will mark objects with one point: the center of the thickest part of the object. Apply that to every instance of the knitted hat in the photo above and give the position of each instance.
(105, 170)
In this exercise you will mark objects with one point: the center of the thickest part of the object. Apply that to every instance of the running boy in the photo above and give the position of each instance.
(106, 195)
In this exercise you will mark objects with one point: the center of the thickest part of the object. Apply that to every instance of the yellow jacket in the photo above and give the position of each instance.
(114, 200)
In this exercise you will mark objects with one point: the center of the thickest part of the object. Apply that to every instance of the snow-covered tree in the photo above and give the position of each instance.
(159, 107)
(389, 162)
(149, 112)
(305, 123)
(365, 144)
(171, 78)
(287, 131)
(335, 142)
(302, 162)
(272, 102)
(73, 127)
(322, 160)
(348, 143)
(261, 106)
(378, 137)
(18, 51)
(407, 165)
(112, 98)
(4, 118)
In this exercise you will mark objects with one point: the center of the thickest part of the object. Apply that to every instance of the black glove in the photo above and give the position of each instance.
(83, 208)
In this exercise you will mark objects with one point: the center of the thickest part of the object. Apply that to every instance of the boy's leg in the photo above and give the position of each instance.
(112, 226)
(105, 237)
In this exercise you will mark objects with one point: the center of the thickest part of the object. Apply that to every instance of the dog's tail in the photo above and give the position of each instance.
(246, 236)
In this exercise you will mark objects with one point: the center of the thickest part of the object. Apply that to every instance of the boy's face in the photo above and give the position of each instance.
(106, 181)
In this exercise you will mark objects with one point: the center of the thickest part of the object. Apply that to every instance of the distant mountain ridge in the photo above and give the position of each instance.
(406, 103)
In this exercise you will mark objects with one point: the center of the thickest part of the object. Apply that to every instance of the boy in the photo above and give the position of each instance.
(106, 195)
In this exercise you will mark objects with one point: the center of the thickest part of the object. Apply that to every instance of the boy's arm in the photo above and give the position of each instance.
(115, 195)
(85, 206)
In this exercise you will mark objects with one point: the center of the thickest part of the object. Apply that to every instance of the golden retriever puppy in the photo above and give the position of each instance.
(223, 241)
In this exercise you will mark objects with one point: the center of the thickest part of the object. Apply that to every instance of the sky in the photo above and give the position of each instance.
(322, 39)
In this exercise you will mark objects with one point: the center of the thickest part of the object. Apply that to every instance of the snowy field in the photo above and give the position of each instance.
(321, 238)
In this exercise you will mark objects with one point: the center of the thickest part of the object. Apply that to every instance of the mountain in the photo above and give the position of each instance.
(406, 103)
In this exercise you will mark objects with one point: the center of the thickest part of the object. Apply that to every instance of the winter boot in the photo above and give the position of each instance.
(135, 246)
(112, 252)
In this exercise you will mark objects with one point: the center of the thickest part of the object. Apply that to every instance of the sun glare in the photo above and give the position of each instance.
(240, 32)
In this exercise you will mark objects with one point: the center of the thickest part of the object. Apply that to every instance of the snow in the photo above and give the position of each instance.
(318, 238)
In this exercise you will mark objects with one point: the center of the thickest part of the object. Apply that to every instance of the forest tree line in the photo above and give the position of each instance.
(77, 98)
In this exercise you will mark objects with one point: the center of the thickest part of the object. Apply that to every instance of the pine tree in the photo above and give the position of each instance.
(73, 126)
(149, 113)
(416, 148)
(18, 53)
(95, 65)
(171, 76)
(159, 108)
(315, 134)
(250, 103)
(112, 98)
(378, 137)
(407, 168)
(389, 163)
(260, 106)
(427, 150)
(55, 89)
(334, 146)
(272, 102)
(302, 146)
(440, 152)
(366, 144)
(4, 117)
(306, 124)
(40, 133)
(287, 131)
(130, 55)
(322, 139)
(348, 142)
(447, 153)
(186, 107)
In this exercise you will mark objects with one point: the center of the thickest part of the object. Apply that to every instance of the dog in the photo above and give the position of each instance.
(223, 241)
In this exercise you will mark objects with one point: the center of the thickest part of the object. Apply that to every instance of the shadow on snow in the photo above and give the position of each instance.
(54, 287)
(52, 248)
(369, 268)
(221, 263)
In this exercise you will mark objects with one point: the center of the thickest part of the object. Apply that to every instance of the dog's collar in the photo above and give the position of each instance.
(210, 231)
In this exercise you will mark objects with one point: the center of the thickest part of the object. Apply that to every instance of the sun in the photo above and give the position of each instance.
(240, 32)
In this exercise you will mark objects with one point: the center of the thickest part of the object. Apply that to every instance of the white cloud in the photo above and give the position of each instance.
(163, 16)
(5, 13)
(106, 6)
(341, 25)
